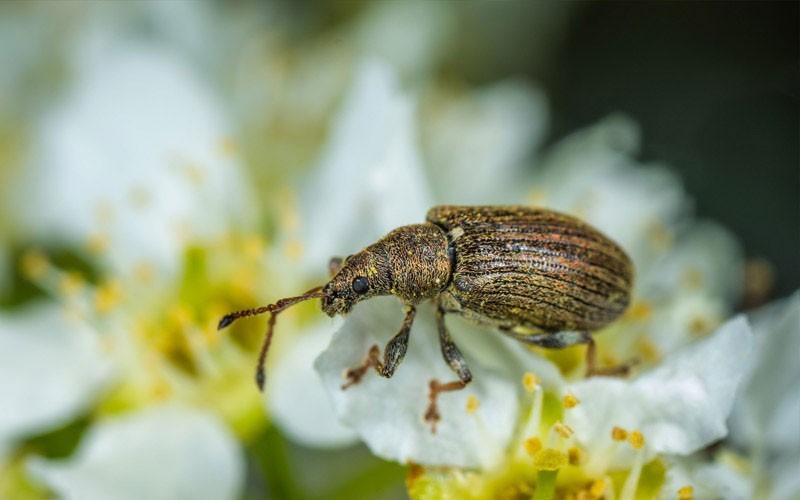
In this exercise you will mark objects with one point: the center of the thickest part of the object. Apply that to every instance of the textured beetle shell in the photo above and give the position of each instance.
(516, 266)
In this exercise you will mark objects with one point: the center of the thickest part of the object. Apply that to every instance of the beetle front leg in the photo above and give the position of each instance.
(393, 354)
(457, 363)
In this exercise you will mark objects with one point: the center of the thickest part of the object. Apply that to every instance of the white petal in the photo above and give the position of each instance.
(708, 479)
(133, 153)
(164, 453)
(766, 413)
(387, 414)
(476, 144)
(370, 178)
(296, 399)
(591, 174)
(680, 406)
(706, 257)
(382, 32)
(60, 361)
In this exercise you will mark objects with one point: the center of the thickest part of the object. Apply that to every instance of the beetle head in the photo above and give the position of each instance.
(359, 277)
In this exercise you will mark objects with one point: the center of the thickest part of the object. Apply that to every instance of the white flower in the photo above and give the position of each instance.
(679, 406)
(765, 420)
(49, 355)
(169, 452)
(132, 161)
(387, 414)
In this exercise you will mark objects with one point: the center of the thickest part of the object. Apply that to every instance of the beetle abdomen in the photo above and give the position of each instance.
(519, 266)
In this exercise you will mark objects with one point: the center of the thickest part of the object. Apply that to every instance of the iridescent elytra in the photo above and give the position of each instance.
(539, 276)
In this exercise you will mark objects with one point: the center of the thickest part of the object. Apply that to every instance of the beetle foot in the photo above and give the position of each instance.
(356, 373)
(432, 415)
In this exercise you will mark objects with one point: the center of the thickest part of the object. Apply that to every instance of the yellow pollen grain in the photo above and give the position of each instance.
(107, 296)
(575, 456)
(549, 459)
(619, 434)
(686, 493)
(563, 430)
(570, 401)
(532, 445)
(34, 264)
(473, 404)
(71, 283)
(530, 381)
(636, 439)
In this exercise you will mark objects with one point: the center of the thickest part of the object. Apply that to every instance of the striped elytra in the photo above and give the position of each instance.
(541, 277)
(517, 266)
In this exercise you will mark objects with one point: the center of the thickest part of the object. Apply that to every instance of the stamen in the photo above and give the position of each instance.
(686, 493)
(549, 459)
(563, 430)
(632, 481)
(619, 434)
(532, 445)
(530, 381)
(71, 283)
(107, 296)
(473, 404)
(570, 401)
(34, 264)
(636, 439)
(575, 456)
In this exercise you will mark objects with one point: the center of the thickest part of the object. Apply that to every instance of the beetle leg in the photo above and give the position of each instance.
(457, 363)
(393, 354)
(560, 340)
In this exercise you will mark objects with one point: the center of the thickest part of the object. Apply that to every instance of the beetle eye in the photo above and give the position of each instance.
(360, 285)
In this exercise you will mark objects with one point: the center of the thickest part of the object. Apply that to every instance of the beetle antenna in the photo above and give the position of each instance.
(273, 310)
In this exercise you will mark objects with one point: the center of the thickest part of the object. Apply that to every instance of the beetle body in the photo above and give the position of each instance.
(509, 267)
(542, 277)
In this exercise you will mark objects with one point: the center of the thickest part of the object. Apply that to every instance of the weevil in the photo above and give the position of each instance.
(539, 276)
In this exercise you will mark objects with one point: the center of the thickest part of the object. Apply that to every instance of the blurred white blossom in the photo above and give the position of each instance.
(162, 453)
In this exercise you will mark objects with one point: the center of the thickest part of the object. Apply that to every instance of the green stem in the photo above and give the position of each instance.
(545, 485)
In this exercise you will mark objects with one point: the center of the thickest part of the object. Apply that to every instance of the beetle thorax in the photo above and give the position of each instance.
(419, 260)
(411, 262)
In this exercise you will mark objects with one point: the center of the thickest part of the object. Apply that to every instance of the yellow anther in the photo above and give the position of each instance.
(254, 246)
(686, 493)
(598, 488)
(97, 243)
(640, 311)
(575, 456)
(293, 250)
(532, 445)
(692, 278)
(549, 459)
(619, 434)
(699, 325)
(472, 404)
(144, 272)
(34, 264)
(71, 283)
(107, 296)
(636, 439)
(530, 381)
(563, 430)
(228, 146)
(570, 401)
